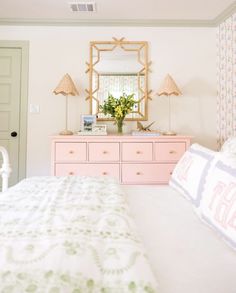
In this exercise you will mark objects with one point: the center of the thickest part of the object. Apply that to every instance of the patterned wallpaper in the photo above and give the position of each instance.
(226, 64)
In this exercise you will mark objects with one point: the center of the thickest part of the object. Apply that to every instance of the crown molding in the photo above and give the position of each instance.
(123, 22)
(229, 11)
(107, 22)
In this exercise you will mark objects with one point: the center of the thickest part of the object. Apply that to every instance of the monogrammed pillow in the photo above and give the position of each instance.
(218, 204)
(190, 172)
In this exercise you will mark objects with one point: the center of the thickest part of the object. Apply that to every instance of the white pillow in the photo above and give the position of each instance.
(190, 172)
(229, 146)
(218, 204)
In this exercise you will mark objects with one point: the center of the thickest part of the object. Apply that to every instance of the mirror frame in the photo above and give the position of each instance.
(111, 45)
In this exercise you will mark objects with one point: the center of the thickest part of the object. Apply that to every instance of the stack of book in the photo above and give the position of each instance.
(146, 133)
(91, 133)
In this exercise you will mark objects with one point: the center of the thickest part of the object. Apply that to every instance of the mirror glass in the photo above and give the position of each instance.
(115, 68)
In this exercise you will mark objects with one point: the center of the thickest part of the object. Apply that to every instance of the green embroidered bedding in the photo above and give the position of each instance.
(70, 234)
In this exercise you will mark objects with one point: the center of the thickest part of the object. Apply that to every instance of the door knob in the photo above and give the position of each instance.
(13, 133)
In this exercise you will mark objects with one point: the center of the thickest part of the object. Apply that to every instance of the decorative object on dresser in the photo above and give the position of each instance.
(146, 133)
(116, 67)
(87, 122)
(130, 159)
(168, 88)
(140, 126)
(97, 129)
(118, 108)
(145, 130)
(100, 129)
(66, 87)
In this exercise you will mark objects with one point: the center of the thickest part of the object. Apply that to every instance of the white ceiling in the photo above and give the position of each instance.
(116, 9)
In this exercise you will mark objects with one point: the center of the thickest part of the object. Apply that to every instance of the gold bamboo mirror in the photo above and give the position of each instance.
(118, 67)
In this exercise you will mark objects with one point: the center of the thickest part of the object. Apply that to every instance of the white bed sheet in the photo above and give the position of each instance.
(186, 255)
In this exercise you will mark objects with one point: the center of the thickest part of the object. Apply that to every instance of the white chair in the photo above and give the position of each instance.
(6, 169)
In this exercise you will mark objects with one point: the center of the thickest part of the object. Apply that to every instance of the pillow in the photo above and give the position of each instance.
(218, 205)
(229, 146)
(190, 172)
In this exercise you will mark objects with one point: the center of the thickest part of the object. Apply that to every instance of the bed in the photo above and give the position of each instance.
(76, 234)
(70, 234)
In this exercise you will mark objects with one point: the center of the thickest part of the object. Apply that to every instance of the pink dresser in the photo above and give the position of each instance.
(130, 159)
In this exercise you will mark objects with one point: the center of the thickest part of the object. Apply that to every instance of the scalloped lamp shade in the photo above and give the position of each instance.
(169, 87)
(66, 87)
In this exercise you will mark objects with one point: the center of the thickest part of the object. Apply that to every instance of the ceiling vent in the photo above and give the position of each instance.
(83, 6)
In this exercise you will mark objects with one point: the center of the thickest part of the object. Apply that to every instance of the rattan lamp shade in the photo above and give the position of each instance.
(66, 87)
(169, 87)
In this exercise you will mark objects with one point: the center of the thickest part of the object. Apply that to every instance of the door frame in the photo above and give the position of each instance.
(24, 46)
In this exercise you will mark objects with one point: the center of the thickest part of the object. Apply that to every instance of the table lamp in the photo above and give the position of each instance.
(66, 87)
(168, 88)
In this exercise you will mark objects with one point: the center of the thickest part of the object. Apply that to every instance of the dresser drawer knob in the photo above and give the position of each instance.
(104, 173)
(172, 152)
(71, 173)
(71, 152)
(171, 172)
(138, 173)
(105, 152)
(138, 152)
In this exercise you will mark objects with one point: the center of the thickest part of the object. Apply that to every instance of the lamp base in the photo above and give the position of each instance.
(66, 132)
(169, 133)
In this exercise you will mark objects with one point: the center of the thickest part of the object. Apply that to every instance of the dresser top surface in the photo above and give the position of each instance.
(123, 137)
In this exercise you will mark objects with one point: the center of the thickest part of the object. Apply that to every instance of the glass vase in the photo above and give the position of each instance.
(120, 126)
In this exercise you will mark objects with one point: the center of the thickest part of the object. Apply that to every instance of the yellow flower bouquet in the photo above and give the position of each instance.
(118, 108)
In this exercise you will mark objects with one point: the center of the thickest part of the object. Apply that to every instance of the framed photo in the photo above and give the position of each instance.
(98, 128)
(87, 122)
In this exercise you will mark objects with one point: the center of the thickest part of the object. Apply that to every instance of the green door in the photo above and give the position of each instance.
(10, 100)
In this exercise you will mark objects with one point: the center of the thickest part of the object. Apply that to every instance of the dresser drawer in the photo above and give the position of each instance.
(135, 151)
(146, 173)
(70, 151)
(169, 151)
(111, 170)
(164, 172)
(104, 152)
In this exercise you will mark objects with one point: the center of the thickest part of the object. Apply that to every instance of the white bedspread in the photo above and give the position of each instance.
(186, 255)
(70, 234)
